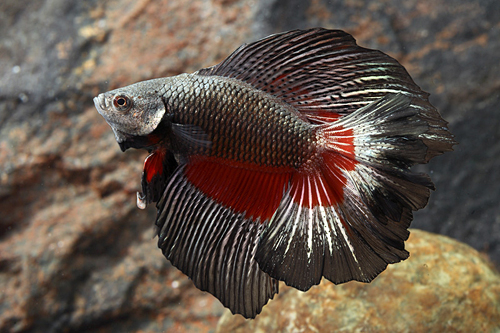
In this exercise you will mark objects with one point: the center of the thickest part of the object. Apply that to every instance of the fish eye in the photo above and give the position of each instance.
(122, 103)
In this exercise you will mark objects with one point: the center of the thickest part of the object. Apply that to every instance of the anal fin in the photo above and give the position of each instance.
(213, 245)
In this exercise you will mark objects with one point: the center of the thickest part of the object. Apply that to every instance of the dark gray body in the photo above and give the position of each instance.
(244, 124)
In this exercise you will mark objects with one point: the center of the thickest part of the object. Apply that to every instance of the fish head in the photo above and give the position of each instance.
(133, 111)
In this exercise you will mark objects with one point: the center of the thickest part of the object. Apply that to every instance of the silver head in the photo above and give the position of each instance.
(134, 110)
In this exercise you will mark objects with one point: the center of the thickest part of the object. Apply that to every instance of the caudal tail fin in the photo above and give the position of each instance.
(349, 219)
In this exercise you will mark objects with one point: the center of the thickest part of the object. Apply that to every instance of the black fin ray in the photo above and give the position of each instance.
(302, 244)
(341, 242)
(388, 133)
(385, 236)
(317, 69)
(213, 246)
(389, 136)
(284, 251)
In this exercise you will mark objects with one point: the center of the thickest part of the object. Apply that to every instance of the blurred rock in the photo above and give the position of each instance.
(445, 286)
(75, 252)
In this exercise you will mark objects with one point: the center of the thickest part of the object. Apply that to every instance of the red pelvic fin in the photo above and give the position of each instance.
(244, 188)
(158, 166)
(153, 165)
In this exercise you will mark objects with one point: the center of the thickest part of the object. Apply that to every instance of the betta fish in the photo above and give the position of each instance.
(288, 161)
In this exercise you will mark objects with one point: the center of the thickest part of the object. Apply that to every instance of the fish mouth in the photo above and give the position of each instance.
(100, 104)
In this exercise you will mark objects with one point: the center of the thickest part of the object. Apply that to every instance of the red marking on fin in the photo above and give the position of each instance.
(153, 165)
(245, 188)
(310, 189)
(323, 188)
(341, 141)
(324, 184)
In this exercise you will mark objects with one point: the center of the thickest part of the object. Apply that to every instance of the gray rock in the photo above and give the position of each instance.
(445, 286)
(76, 254)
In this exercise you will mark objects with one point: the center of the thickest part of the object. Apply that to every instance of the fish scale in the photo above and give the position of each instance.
(250, 126)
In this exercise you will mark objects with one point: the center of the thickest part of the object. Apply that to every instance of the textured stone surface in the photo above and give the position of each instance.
(75, 252)
(445, 286)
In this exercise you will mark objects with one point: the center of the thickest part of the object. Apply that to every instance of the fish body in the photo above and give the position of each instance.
(290, 160)
(231, 114)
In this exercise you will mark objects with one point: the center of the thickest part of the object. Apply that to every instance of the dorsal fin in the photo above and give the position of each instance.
(321, 72)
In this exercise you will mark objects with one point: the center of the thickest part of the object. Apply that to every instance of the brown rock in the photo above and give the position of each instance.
(75, 252)
(444, 286)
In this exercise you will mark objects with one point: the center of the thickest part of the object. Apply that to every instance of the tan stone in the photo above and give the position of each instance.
(444, 286)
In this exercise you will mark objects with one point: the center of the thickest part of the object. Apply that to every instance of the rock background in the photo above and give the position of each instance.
(75, 252)
(445, 286)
